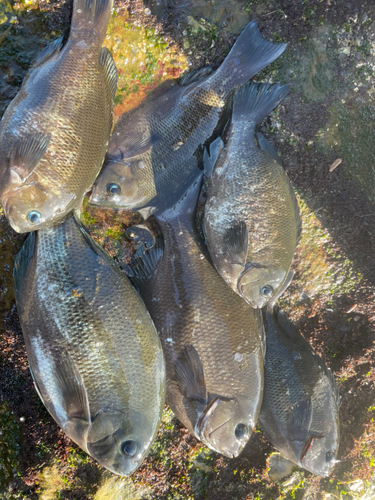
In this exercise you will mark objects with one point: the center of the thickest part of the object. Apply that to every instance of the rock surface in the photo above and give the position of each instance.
(324, 132)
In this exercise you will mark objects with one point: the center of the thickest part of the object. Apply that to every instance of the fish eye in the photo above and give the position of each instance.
(113, 189)
(241, 431)
(266, 291)
(34, 217)
(330, 456)
(129, 448)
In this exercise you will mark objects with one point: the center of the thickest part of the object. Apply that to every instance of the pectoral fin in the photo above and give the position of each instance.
(137, 144)
(189, 375)
(235, 242)
(209, 159)
(26, 153)
(300, 420)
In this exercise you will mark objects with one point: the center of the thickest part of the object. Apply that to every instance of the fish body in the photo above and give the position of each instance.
(252, 221)
(93, 350)
(212, 339)
(300, 409)
(151, 153)
(54, 134)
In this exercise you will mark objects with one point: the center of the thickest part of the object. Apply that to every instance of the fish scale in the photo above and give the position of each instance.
(252, 222)
(195, 312)
(67, 95)
(80, 315)
(165, 133)
(300, 409)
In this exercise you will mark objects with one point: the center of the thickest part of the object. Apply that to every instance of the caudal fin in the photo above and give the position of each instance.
(249, 55)
(90, 17)
(254, 101)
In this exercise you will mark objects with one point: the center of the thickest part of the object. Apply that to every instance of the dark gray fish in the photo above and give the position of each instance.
(212, 339)
(300, 409)
(152, 150)
(252, 222)
(93, 350)
(54, 134)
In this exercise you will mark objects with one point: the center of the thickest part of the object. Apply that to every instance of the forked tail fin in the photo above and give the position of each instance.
(249, 55)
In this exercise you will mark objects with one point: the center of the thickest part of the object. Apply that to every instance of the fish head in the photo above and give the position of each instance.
(117, 186)
(225, 427)
(259, 285)
(119, 442)
(319, 452)
(31, 207)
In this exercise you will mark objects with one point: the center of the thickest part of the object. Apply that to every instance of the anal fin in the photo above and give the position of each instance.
(49, 52)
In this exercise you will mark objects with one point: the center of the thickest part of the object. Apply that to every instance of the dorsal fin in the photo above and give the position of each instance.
(106, 60)
(26, 153)
(270, 150)
(50, 51)
(195, 76)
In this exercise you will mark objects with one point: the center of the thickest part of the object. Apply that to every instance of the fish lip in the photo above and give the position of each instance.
(201, 426)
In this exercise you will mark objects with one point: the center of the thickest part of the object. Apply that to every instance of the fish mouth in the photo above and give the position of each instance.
(209, 428)
(202, 423)
(241, 285)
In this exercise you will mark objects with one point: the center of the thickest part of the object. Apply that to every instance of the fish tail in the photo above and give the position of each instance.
(254, 101)
(90, 17)
(249, 55)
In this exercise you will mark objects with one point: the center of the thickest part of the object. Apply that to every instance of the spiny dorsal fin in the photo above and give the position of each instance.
(270, 150)
(189, 374)
(106, 60)
(50, 51)
(236, 242)
(195, 76)
(26, 153)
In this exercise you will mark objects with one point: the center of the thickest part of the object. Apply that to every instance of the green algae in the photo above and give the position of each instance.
(10, 445)
(143, 59)
(350, 133)
(120, 488)
(321, 268)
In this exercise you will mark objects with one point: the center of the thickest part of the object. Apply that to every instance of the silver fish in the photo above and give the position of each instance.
(252, 222)
(151, 154)
(54, 134)
(93, 350)
(300, 409)
(212, 339)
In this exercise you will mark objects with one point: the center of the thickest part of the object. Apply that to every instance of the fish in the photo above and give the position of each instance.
(93, 350)
(153, 154)
(55, 132)
(252, 222)
(300, 409)
(212, 339)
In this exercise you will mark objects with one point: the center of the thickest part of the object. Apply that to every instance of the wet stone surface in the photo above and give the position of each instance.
(324, 133)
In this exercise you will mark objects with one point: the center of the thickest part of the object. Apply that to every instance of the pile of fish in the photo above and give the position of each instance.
(195, 322)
